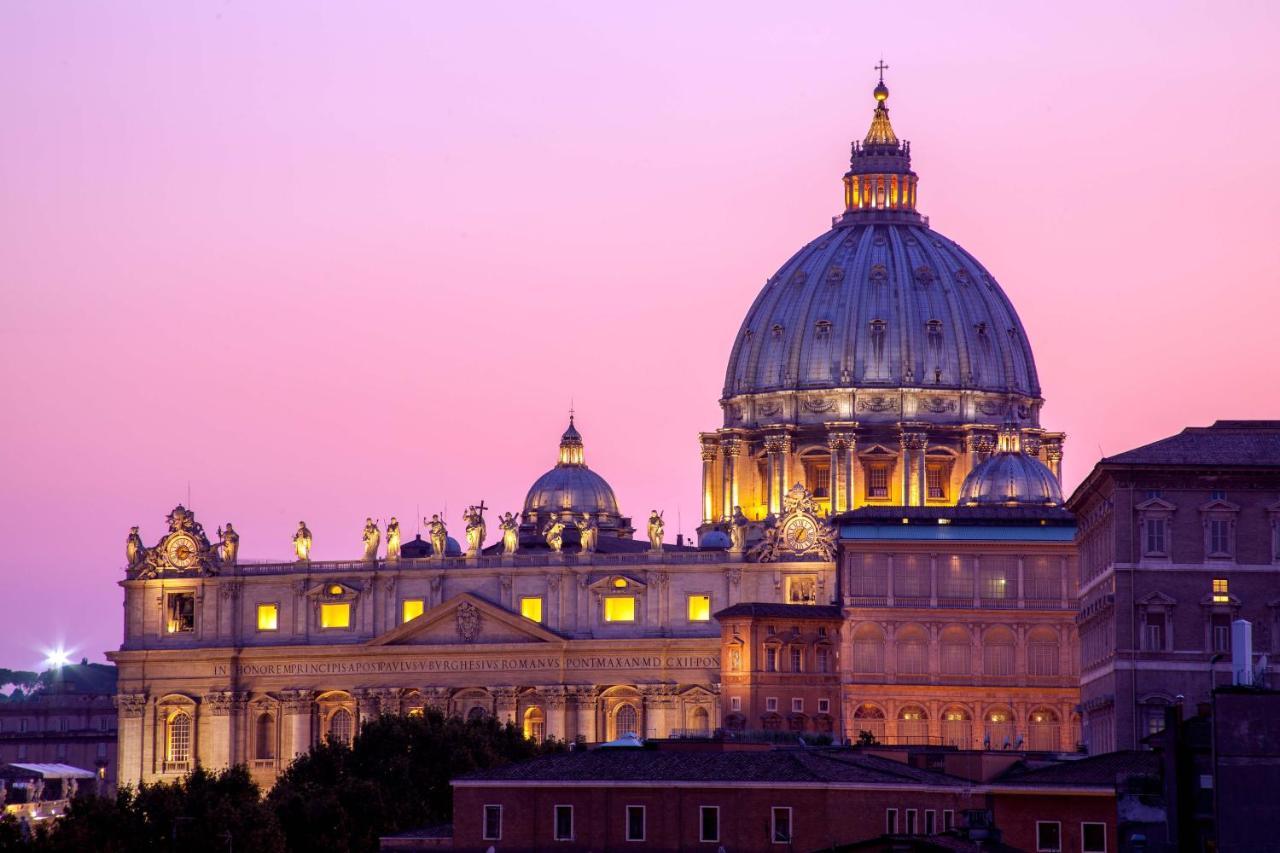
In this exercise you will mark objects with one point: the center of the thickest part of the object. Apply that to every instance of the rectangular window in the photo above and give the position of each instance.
(493, 823)
(802, 589)
(735, 703)
(781, 824)
(797, 705)
(1221, 591)
(619, 608)
(635, 823)
(890, 821)
(411, 609)
(1219, 537)
(797, 659)
(531, 608)
(823, 657)
(948, 820)
(911, 821)
(771, 659)
(709, 823)
(1048, 836)
(335, 615)
(699, 608)
(181, 612)
(824, 706)
(564, 823)
(1155, 536)
(930, 822)
(771, 703)
(1220, 627)
(268, 617)
(878, 482)
(1153, 632)
(1093, 837)
(937, 486)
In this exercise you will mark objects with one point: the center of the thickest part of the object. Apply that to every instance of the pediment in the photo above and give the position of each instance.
(1157, 599)
(466, 619)
(1155, 505)
(1219, 505)
(617, 585)
(697, 693)
(333, 591)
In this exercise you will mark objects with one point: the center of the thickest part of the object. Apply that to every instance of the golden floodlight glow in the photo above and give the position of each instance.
(619, 608)
(335, 615)
(699, 608)
(268, 617)
(531, 608)
(412, 609)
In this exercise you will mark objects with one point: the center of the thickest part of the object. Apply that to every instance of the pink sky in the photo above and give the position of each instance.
(324, 262)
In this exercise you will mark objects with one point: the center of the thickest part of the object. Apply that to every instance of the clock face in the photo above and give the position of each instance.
(180, 551)
(800, 534)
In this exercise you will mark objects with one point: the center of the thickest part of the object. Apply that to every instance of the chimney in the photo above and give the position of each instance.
(1242, 653)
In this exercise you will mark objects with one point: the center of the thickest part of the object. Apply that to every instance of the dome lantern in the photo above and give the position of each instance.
(571, 490)
(880, 185)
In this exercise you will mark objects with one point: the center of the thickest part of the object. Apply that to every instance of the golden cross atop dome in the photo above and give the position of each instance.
(881, 132)
(881, 68)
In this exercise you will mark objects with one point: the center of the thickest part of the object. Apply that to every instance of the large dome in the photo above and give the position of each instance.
(888, 305)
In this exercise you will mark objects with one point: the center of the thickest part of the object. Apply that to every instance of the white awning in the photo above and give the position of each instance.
(51, 771)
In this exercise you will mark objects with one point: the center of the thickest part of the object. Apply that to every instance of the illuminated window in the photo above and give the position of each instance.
(335, 589)
(177, 741)
(411, 609)
(878, 482)
(268, 617)
(1220, 591)
(535, 725)
(619, 583)
(620, 608)
(335, 615)
(181, 612)
(625, 721)
(341, 725)
(531, 608)
(802, 589)
(699, 608)
(937, 487)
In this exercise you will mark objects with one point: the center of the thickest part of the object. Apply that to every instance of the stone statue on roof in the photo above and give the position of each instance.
(656, 531)
(510, 533)
(228, 545)
(393, 540)
(554, 533)
(371, 537)
(473, 517)
(737, 532)
(588, 533)
(134, 550)
(302, 542)
(439, 535)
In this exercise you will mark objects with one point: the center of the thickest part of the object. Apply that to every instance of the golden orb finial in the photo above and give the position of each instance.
(881, 92)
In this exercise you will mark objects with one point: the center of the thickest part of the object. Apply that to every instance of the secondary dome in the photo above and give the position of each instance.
(1010, 477)
(881, 301)
(570, 490)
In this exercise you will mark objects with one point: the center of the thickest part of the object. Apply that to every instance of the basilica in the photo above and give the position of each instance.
(883, 553)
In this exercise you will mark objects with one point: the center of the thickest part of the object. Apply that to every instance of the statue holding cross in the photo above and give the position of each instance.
(474, 519)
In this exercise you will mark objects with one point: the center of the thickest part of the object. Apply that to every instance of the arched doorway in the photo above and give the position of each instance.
(535, 726)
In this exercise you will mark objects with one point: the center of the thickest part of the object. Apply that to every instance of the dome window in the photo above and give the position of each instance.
(777, 330)
(823, 329)
(879, 273)
(835, 275)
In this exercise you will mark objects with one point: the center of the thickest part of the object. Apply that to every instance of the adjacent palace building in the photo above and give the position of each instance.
(884, 552)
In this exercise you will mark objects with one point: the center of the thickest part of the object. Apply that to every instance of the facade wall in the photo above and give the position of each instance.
(53, 728)
(1017, 814)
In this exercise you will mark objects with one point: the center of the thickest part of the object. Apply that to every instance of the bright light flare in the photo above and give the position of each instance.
(57, 658)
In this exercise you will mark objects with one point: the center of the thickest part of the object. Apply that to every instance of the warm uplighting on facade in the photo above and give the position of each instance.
(411, 609)
(335, 615)
(531, 608)
(620, 608)
(268, 617)
(699, 608)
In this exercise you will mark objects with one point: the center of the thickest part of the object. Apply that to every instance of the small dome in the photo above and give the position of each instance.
(1011, 478)
(452, 548)
(714, 540)
(572, 489)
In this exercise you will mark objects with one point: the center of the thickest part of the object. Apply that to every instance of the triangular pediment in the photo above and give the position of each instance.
(1219, 505)
(1155, 505)
(466, 619)
(1157, 599)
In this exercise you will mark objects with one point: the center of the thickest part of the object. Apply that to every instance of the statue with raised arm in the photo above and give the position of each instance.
(134, 550)
(393, 540)
(474, 517)
(228, 545)
(371, 537)
(737, 532)
(656, 530)
(510, 533)
(302, 542)
(439, 535)
(554, 533)
(588, 533)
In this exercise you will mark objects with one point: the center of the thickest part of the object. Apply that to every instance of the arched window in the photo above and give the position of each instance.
(957, 728)
(700, 722)
(341, 726)
(868, 649)
(265, 737)
(1042, 652)
(475, 714)
(1043, 731)
(625, 721)
(998, 730)
(997, 652)
(870, 719)
(177, 739)
(955, 657)
(535, 727)
(913, 725)
(911, 647)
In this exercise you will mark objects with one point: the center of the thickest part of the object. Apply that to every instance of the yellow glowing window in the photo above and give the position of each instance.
(531, 607)
(699, 608)
(268, 617)
(619, 583)
(335, 589)
(1220, 592)
(335, 615)
(619, 608)
(411, 609)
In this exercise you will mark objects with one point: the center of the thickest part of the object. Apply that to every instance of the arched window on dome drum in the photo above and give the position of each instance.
(625, 721)
(341, 726)
(264, 737)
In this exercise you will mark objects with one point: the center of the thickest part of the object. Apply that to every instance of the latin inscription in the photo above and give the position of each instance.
(484, 664)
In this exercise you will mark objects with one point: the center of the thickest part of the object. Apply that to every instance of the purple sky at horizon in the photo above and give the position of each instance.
(329, 261)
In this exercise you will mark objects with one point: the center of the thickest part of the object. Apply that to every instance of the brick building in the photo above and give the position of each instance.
(70, 718)
(1177, 539)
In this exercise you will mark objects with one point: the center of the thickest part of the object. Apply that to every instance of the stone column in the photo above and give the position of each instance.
(981, 445)
(730, 446)
(1053, 455)
(295, 729)
(774, 448)
(222, 718)
(131, 735)
(556, 699)
(788, 478)
(835, 443)
(505, 702)
(582, 702)
(913, 448)
(850, 467)
(710, 450)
